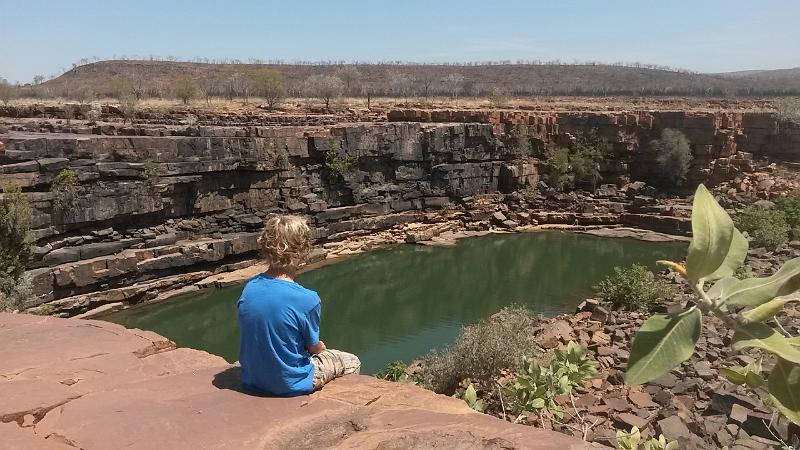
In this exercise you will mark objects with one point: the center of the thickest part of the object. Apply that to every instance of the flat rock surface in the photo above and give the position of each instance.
(96, 385)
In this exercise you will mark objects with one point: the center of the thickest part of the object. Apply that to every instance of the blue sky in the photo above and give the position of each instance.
(44, 37)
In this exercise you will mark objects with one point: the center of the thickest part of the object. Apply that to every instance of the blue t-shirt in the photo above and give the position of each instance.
(277, 320)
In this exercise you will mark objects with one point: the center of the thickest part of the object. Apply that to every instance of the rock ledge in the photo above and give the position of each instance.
(71, 383)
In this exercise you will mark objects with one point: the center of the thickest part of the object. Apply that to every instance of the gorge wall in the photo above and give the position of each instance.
(162, 206)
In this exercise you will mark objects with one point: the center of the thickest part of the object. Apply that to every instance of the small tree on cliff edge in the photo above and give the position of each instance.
(324, 87)
(185, 88)
(673, 156)
(268, 83)
(15, 243)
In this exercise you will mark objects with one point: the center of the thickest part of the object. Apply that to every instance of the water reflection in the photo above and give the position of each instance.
(399, 303)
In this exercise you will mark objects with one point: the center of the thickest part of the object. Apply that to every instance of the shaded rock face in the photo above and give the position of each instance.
(70, 383)
(153, 207)
(712, 134)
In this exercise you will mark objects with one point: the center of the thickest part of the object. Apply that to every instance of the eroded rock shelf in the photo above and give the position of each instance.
(72, 383)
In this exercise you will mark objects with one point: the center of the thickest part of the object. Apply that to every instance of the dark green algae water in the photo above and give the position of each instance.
(399, 303)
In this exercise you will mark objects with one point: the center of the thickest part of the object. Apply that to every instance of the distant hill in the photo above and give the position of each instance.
(157, 78)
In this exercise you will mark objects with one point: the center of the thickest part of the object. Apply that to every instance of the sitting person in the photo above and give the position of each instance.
(281, 353)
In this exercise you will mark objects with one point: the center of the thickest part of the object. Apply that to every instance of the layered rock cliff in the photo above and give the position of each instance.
(161, 206)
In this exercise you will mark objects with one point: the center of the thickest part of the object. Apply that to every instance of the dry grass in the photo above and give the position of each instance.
(382, 104)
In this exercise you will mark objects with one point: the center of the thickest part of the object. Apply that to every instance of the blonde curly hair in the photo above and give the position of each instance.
(285, 243)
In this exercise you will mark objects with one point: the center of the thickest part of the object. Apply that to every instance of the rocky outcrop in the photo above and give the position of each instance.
(70, 383)
(161, 205)
(713, 135)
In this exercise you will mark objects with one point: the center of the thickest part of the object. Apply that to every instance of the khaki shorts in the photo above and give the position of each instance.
(332, 364)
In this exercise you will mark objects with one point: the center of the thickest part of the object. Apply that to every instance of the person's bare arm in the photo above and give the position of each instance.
(317, 349)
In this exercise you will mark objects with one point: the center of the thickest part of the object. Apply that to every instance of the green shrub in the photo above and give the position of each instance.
(766, 227)
(536, 387)
(580, 162)
(481, 351)
(634, 288)
(470, 397)
(66, 189)
(673, 157)
(394, 371)
(790, 206)
(15, 245)
(585, 166)
(338, 163)
(632, 440)
(555, 170)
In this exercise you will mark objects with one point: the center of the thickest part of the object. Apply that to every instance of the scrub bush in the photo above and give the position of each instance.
(481, 351)
(673, 156)
(338, 163)
(555, 169)
(579, 163)
(790, 207)
(66, 189)
(766, 227)
(634, 288)
(15, 246)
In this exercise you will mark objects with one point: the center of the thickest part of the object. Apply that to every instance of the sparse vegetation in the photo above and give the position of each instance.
(634, 288)
(454, 83)
(394, 371)
(522, 78)
(325, 88)
(338, 162)
(556, 167)
(121, 88)
(673, 156)
(150, 174)
(268, 83)
(790, 207)
(499, 97)
(351, 77)
(185, 88)
(788, 109)
(7, 91)
(632, 440)
(766, 227)
(66, 188)
(536, 387)
(481, 351)
(400, 84)
(580, 163)
(15, 246)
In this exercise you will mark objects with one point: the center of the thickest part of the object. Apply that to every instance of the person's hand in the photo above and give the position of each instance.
(317, 349)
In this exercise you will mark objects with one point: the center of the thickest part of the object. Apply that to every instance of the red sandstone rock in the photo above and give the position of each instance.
(97, 385)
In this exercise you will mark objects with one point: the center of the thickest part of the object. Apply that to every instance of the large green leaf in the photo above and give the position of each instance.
(755, 291)
(764, 312)
(784, 389)
(712, 234)
(663, 342)
(737, 252)
(762, 336)
(722, 287)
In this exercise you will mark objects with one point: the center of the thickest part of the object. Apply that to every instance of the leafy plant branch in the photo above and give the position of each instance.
(717, 250)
